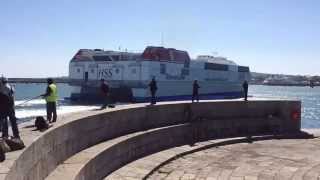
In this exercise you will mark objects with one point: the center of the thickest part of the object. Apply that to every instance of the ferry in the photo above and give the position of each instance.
(129, 73)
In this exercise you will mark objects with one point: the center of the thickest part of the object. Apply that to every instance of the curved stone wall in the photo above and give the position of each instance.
(134, 148)
(216, 118)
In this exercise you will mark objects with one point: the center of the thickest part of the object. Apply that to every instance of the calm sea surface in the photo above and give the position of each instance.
(310, 98)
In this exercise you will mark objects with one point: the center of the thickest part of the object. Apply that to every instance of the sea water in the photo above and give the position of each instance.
(310, 98)
(27, 109)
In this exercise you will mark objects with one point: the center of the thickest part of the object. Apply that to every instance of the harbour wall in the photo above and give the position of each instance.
(166, 125)
(38, 80)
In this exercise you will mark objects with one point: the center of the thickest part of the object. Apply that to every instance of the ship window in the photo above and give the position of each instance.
(78, 70)
(186, 64)
(134, 71)
(216, 67)
(115, 58)
(102, 58)
(162, 68)
(243, 69)
(92, 71)
(185, 72)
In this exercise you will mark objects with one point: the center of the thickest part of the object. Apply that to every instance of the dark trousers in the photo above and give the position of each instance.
(195, 96)
(153, 97)
(51, 110)
(106, 102)
(245, 94)
(13, 122)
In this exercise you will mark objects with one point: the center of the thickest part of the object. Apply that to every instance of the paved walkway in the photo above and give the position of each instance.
(275, 159)
(270, 159)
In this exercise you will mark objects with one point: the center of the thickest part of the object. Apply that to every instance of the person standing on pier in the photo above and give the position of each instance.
(153, 90)
(104, 88)
(195, 91)
(3, 105)
(245, 89)
(7, 109)
(51, 97)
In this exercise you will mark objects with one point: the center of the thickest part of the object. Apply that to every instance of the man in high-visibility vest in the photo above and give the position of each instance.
(51, 97)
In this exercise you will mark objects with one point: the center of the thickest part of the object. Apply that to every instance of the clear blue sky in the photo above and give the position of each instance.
(38, 37)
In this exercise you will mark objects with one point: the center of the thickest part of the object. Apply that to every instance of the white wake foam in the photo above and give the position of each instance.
(37, 108)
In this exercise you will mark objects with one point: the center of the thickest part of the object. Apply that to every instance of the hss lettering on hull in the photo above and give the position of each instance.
(105, 73)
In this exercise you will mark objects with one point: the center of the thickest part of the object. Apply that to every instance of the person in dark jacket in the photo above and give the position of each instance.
(7, 109)
(195, 91)
(153, 89)
(4, 108)
(104, 88)
(245, 90)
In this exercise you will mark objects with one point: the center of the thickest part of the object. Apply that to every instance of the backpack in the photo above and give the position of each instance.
(15, 144)
(41, 123)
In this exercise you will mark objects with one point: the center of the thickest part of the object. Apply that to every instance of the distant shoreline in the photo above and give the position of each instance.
(37, 80)
(284, 84)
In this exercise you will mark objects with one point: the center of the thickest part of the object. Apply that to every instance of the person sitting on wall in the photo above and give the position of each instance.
(104, 88)
(195, 91)
(153, 90)
(245, 90)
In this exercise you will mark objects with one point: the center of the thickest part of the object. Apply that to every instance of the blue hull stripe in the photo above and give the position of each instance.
(224, 95)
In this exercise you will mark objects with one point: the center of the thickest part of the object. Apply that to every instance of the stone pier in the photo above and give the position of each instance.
(128, 142)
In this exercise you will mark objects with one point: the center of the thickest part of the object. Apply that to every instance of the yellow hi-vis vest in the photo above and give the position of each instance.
(53, 97)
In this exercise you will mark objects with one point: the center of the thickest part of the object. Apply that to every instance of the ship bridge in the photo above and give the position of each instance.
(215, 59)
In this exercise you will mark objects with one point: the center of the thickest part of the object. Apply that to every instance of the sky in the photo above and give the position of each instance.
(39, 37)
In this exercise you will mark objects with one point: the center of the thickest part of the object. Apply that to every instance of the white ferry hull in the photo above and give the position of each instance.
(167, 91)
(128, 75)
(176, 90)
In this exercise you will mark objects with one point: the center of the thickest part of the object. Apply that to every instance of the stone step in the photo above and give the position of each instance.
(232, 158)
(145, 167)
(141, 168)
(124, 148)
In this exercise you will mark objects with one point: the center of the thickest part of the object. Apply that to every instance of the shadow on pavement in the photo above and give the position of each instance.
(249, 139)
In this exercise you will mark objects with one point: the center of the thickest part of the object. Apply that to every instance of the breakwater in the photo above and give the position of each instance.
(134, 131)
(38, 80)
